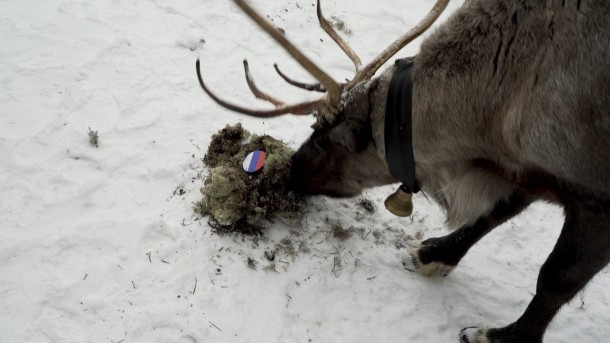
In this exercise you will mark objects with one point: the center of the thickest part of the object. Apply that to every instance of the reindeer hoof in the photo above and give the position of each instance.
(509, 334)
(412, 263)
(473, 335)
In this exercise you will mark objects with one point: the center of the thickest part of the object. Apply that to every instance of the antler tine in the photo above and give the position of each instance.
(334, 89)
(304, 108)
(257, 92)
(416, 31)
(317, 87)
(335, 36)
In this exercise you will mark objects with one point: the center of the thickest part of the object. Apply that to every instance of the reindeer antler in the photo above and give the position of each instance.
(317, 87)
(340, 42)
(421, 27)
(257, 92)
(300, 109)
(331, 103)
(327, 105)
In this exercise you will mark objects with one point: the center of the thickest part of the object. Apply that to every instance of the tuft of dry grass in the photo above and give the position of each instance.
(93, 138)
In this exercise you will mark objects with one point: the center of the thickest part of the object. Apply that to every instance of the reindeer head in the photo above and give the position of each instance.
(339, 158)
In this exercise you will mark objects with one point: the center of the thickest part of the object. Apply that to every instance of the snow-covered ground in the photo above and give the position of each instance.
(101, 244)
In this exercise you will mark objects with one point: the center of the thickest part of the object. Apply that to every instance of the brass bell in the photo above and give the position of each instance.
(399, 203)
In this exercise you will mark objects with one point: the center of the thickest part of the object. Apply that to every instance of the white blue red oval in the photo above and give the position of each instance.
(254, 161)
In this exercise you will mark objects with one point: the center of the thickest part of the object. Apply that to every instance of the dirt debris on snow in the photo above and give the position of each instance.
(368, 205)
(340, 25)
(339, 232)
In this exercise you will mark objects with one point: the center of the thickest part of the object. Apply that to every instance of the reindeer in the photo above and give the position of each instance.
(510, 104)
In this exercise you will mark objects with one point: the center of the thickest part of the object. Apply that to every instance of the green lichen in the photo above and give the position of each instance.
(238, 201)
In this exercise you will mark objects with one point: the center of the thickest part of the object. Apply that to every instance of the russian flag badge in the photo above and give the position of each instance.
(254, 161)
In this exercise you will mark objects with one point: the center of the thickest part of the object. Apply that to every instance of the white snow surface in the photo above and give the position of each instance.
(99, 244)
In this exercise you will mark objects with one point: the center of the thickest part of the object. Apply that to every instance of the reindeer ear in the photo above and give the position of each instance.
(354, 132)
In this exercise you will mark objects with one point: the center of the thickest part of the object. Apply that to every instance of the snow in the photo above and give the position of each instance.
(99, 244)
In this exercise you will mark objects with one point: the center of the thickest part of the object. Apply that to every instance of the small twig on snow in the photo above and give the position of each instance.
(367, 234)
(195, 288)
(289, 298)
(214, 325)
(336, 263)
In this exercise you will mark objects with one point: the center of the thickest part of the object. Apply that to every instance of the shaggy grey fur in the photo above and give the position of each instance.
(511, 104)
(523, 84)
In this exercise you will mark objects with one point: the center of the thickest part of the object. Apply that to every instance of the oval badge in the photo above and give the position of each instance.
(254, 161)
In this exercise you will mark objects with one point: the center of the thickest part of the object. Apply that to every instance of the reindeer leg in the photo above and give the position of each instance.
(440, 255)
(582, 250)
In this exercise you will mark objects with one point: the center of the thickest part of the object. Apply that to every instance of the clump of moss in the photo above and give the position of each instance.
(238, 201)
(225, 144)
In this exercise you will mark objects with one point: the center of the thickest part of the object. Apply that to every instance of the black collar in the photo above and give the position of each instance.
(398, 131)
